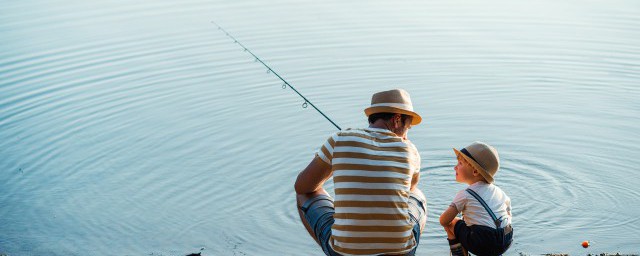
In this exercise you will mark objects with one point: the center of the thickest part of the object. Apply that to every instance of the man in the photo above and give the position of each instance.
(378, 210)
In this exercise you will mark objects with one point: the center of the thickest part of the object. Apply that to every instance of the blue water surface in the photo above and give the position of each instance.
(139, 128)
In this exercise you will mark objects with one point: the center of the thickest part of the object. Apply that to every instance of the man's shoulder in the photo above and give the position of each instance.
(369, 133)
(411, 145)
(349, 132)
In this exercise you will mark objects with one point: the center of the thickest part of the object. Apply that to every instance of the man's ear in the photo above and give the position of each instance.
(399, 118)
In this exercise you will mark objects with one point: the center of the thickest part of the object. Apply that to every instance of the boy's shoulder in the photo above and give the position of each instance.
(499, 190)
(492, 192)
(481, 188)
(461, 195)
(460, 200)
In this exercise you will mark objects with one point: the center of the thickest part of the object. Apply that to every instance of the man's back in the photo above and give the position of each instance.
(372, 172)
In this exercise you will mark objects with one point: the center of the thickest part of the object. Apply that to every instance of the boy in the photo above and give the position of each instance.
(486, 209)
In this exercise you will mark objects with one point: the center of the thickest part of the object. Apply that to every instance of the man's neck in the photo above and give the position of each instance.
(380, 124)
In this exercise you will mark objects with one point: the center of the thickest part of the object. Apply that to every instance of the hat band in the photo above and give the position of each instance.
(395, 105)
(466, 153)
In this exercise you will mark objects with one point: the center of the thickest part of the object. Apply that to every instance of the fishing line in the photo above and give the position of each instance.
(270, 70)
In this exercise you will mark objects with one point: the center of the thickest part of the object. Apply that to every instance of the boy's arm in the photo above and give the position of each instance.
(313, 177)
(448, 215)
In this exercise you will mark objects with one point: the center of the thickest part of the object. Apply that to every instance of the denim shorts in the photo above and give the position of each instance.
(319, 212)
(482, 240)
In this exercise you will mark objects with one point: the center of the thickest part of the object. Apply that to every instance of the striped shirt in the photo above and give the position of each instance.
(372, 171)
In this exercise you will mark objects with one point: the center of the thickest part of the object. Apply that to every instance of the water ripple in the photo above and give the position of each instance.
(143, 123)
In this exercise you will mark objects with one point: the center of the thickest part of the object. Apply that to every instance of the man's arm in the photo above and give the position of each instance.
(415, 163)
(313, 177)
(414, 180)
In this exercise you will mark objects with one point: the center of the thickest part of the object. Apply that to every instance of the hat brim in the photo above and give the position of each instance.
(417, 119)
(475, 165)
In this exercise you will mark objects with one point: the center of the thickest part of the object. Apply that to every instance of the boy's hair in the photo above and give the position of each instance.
(386, 116)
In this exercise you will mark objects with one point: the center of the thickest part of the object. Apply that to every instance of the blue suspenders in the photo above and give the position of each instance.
(505, 233)
(497, 221)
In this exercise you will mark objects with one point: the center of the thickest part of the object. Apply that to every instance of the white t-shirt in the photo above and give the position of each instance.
(472, 210)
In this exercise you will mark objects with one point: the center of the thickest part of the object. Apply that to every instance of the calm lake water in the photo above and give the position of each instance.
(139, 128)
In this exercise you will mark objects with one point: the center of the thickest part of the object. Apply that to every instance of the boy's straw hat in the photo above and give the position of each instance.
(393, 101)
(482, 157)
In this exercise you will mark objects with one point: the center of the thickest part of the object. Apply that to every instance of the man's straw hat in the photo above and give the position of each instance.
(393, 101)
(482, 157)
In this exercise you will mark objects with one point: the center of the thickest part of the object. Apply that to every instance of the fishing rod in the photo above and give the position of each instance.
(270, 70)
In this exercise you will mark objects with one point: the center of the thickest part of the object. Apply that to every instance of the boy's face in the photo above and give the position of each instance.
(464, 171)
